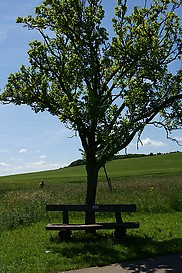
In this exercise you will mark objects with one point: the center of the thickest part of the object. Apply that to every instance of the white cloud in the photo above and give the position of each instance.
(22, 151)
(150, 142)
(41, 164)
(5, 151)
(42, 157)
(4, 165)
(28, 167)
(38, 163)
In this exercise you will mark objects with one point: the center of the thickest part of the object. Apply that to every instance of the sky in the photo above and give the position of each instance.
(32, 142)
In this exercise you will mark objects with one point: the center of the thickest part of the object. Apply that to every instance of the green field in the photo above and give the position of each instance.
(154, 183)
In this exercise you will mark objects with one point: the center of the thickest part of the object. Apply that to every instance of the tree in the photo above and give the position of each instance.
(107, 89)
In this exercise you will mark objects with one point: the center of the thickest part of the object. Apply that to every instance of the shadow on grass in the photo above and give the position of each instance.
(88, 250)
(98, 250)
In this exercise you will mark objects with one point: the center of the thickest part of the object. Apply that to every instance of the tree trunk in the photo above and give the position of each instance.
(92, 179)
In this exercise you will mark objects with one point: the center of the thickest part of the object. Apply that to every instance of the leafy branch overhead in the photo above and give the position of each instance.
(106, 88)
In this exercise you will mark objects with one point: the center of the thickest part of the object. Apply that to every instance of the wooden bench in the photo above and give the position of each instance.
(119, 226)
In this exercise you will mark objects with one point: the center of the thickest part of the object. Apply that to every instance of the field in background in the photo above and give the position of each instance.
(154, 183)
(165, 164)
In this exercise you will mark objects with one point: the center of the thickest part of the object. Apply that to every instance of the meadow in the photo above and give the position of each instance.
(154, 183)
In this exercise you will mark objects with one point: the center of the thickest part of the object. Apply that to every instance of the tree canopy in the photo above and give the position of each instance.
(106, 88)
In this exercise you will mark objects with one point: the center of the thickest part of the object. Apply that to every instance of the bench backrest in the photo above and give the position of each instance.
(94, 208)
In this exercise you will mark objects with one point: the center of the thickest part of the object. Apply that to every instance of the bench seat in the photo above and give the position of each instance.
(127, 225)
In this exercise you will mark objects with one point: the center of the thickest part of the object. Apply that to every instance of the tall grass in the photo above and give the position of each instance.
(134, 180)
(22, 207)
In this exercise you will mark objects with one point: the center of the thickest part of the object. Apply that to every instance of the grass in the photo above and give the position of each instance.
(30, 249)
(168, 164)
(153, 183)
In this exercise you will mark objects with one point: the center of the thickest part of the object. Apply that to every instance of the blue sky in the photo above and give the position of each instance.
(35, 142)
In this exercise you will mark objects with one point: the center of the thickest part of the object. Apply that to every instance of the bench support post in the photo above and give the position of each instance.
(65, 217)
(119, 233)
(65, 234)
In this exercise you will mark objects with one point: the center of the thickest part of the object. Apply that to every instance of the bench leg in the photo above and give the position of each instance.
(91, 231)
(64, 235)
(120, 234)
